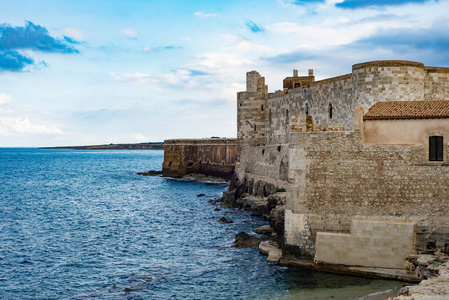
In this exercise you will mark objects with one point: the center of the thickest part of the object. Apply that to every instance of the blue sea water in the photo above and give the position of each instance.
(82, 224)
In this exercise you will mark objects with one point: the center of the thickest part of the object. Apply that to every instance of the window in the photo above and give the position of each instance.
(255, 127)
(261, 107)
(436, 148)
(297, 84)
(330, 111)
(307, 108)
(286, 116)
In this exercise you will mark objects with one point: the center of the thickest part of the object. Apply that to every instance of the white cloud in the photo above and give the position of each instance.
(129, 32)
(20, 125)
(4, 98)
(74, 33)
(138, 137)
(247, 46)
(130, 76)
(202, 14)
(148, 49)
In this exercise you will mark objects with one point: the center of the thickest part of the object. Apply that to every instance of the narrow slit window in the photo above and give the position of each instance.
(287, 117)
(255, 127)
(436, 148)
(307, 108)
(330, 111)
(261, 107)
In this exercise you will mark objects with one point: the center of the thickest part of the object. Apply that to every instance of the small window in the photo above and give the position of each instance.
(287, 116)
(255, 127)
(436, 148)
(330, 111)
(261, 107)
(307, 108)
(297, 84)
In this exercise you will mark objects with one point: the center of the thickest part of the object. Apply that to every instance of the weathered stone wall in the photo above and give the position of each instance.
(251, 107)
(334, 177)
(371, 243)
(387, 81)
(214, 157)
(437, 83)
(315, 101)
(263, 164)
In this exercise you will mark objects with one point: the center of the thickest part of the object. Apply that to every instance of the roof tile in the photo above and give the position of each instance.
(408, 110)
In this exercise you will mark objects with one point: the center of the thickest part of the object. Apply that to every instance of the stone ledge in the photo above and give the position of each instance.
(384, 273)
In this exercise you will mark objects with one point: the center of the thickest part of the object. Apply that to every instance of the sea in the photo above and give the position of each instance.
(81, 224)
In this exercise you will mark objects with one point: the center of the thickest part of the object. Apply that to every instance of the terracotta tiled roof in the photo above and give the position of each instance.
(408, 110)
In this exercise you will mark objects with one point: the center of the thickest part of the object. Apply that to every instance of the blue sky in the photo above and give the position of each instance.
(109, 71)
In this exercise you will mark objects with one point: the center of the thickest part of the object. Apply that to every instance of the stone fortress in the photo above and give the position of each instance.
(363, 158)
(357, 164)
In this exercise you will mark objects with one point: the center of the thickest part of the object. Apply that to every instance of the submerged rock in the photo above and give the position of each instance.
(224, 220)
(265, 229)
(244, 240)
(201, 195)
(150, 173)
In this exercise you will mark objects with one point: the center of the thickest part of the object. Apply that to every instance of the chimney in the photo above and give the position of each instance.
(295, 73)
(310, 72)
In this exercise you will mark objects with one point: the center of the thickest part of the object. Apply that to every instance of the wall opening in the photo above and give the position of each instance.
(297, 84)
(436, 148)
(287, 116)
(307, 108)
(255, 127)
(261, 107)
(330, 111)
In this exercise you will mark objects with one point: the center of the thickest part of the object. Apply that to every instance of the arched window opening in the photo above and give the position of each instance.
(307, 108)
(436, 148)
(330, 111)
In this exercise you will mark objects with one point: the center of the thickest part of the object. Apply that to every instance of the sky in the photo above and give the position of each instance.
(107, 71)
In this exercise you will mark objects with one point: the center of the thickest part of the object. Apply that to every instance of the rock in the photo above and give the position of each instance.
(244, 240)
(265, 229)
(150, 173)
(224, 220)
(256, 204)
(228, 199)
(273, 251)
(434, 288)
(201, 195)
(217, 209)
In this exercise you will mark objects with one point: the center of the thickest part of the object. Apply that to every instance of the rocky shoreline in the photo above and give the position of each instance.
(431, 271)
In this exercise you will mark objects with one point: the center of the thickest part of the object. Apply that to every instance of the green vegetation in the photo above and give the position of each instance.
(279, 190)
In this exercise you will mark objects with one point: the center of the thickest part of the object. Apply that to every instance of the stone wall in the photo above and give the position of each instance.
(334, 177)
(264, 164)
(371, 243)
(213, 157)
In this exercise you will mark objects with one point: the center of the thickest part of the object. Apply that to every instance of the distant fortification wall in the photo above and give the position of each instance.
(213, 157)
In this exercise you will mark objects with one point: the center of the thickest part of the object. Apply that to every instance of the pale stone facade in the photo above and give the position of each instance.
(312, 140)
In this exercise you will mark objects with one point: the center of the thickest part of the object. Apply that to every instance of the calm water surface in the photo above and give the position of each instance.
(82, 224)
